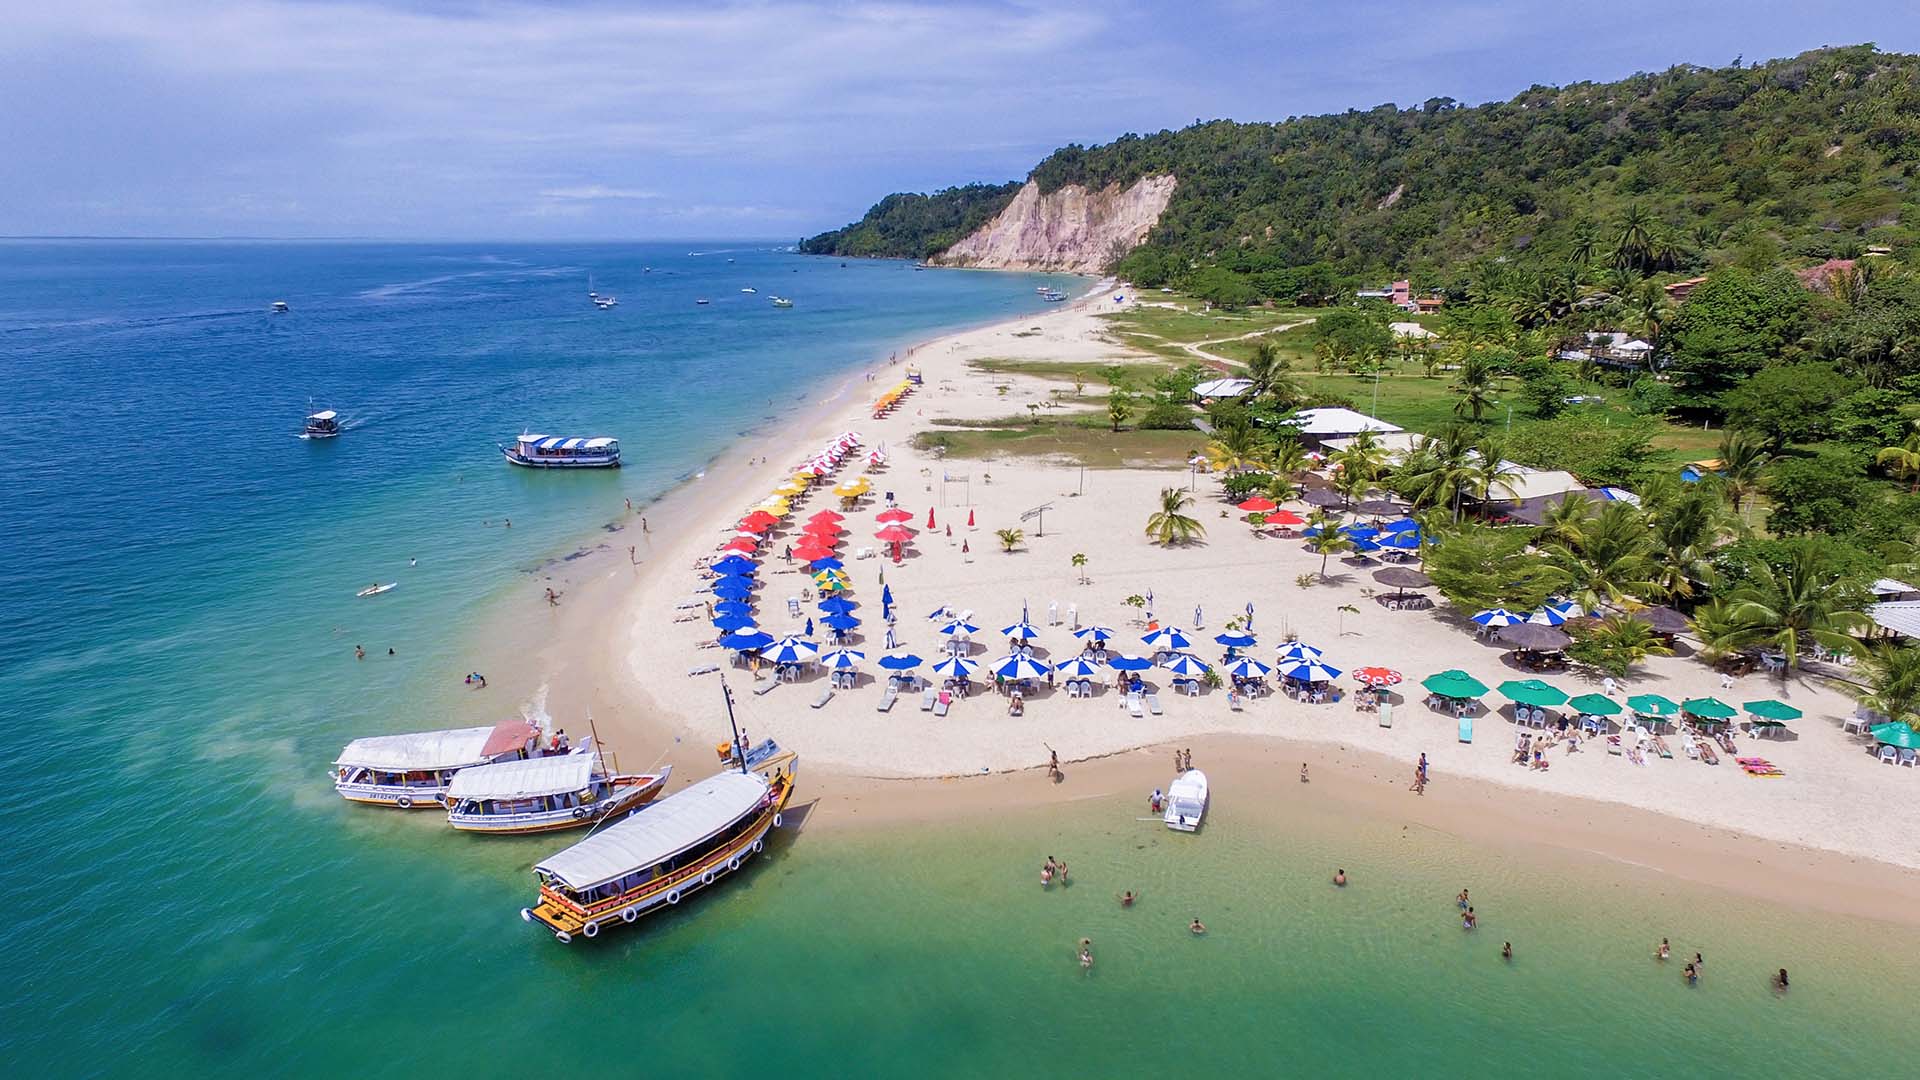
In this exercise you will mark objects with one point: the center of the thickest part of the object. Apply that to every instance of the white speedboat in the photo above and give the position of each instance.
(747, 290)
(560, 452)
(280, 307)
(1186, 801)
(781, 301)
(605, 302)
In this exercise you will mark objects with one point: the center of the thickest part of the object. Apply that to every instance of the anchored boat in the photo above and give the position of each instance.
(1186, 801)
(547, 793)
(561, 452)
(413, 770)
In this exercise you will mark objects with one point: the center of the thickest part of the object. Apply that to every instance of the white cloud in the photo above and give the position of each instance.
(597, 192)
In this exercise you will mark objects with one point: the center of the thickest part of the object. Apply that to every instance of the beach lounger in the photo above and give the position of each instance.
(1153, 704)
(1233, 702)
(941, 703)
(685, 604)
(1660, 747)
(1466, 729)
(1133, 706)
(826, 695)
(761, 686)
(886, 700)
(1707, 755)
(926, 699)
(702, 669)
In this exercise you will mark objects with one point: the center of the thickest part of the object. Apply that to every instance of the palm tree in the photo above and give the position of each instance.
(1080, 565)
(1490, 473)
(1475, 384)
(1609, 557)
(1893, 681)
(1586, 241)
(1618, 643)
(1265, 362)
(1363, 457)
(1686, 528)
(1328, 541)
(1438, 470)
(1287, 456)
(1168, 526)
(1119, 407)
(1903, 460)
(1561, 522)
(1719, 629)
(1633, 244)
(1235, 448)
(1808, 601)
(1009, 538)
(1280, 487)
(1743, 458)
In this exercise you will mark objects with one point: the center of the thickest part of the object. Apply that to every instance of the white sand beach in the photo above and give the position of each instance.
(624, 645)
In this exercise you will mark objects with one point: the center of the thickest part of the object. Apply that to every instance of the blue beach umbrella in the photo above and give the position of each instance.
(754, 639)
(1297, 650)
(956, 667)
(1548, 616)
(1496, 618)
(1309, 671)
(1094, 633)
(1399, 541)
(1402, 525)
(1023, 630)
(792, 650)
(1020, 667)
(940, 612)
(735, 563)
(840, 622)
(732, 607)
(1187, 665)
(902, 662)
(734, 622)
(957, 628)
(1129, 663)
(843, 659)
(828, 563)
(1359, 532)
(1167, 639)
(1248, 668)
(1362, 545)
(1235, 641)
(886, 600)
(1079, 668)
(838, 605)
(732, 589)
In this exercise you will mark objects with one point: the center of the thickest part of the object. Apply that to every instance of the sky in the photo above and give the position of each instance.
(592, 119)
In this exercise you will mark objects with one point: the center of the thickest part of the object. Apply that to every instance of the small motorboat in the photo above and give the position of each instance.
(781, 301)
(605, 302)
(703, 301)
(280, 307)
(749, 290)
(376, 590)
(322, 425)
(1186, 801)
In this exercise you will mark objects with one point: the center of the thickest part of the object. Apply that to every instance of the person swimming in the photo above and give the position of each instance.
(1196, 926)
(1691, 974)
(1340, 878)
(1506, 952)
(1086, 954)
(1780, 980)
(1126, 898)
(1699, 962)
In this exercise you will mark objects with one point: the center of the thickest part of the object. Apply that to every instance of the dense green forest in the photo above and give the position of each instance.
(907, 226)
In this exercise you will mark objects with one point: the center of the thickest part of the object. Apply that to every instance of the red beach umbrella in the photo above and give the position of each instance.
(1377, 676)
(894, 534)
(1285, 517)
(929, 517)
(748, 525)
(743, 544)
(895, 514)
(759, 517)
(1259, 504)
(826, 515)
(822, 528)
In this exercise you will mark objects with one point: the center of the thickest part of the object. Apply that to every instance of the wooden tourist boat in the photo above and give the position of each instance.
(663, 854)
(324, 424)
(561, 452)
(544, 794)
(409, 771)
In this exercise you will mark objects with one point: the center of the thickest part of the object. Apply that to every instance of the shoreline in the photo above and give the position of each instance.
(614, 654)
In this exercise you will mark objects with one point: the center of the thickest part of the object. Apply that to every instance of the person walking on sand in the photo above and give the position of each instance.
(1053, 764)
(1303, 772)
(1419, 782)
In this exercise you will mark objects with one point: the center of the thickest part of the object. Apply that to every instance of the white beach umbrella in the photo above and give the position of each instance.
(792, 650)
(956, 667)
(1248, 668)
(1080, 668)
(1297, 650)
(1309, 671)
(843, 659)
(1020, 667)
(1186, 665)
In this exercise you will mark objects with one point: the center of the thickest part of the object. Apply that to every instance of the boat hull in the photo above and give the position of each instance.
(400, 798)
(567, 921)
(626, 798)
(526, 462)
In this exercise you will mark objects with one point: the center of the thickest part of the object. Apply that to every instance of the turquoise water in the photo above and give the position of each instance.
(188, 894)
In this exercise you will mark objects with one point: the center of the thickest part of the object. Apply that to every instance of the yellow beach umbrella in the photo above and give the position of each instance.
(803, 477)
(826, 576)
(791, 487)
(852, 490)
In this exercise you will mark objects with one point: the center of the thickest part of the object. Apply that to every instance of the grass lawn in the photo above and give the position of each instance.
(1079, 439)
(1094, 372)
(1183, 324)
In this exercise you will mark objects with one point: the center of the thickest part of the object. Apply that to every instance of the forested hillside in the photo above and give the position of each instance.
(908, 226)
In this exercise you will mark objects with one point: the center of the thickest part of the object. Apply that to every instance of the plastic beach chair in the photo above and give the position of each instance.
(926, 700)
(1889, 755)
(1153, 704)
(886, 700)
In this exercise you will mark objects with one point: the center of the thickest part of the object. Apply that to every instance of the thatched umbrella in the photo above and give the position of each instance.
(1533, 637)
(1326, 497)
(1664, 620)
(1379, 508)
(1402, 578)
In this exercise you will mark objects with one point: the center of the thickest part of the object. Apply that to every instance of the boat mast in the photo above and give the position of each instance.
(727, 694)
(599, 751)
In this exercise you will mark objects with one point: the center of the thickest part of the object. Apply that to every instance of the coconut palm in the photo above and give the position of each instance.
(1719, 627)
(1808, 601)
(1491, 477)
(1287, 456)
(1687, 526)
(1168, 526)
(1743, 459)
(1608, 558)
(1010, 538)
(1586, 241)
(1633, 242)
(1363, 457)
(1618, 643)
(1328, 541)
(1903, 460)
(1438, 470)
(1561, 521)
(1080, 565)
(1893, 681)
(1236, 448)
(1475, 386)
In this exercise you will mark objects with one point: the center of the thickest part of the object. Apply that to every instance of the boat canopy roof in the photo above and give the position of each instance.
(657, 833)
(324, 414)
(526, 779)
(562, 442)
(430, 750)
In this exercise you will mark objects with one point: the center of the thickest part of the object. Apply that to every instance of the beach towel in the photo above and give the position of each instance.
(1466, 729)
(940, 704)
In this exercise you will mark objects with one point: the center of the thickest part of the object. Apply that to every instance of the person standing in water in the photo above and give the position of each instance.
(1665, 950)
(1780, 980)
(1196, 927)
(1340, 878)
(1506, 952)
(1086, 954)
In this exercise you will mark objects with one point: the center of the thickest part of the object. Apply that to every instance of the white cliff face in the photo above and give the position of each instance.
(1071, 229)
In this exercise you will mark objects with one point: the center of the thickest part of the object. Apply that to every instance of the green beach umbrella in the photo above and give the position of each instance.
(1454, 684)
(1652, 705)
(1708, 708)
(1772, 710)
(1594, 705)
(1532, 692)
(1897, 734)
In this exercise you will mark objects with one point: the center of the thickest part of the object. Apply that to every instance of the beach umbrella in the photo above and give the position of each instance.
(1895, 734)
(755, 528)
(1248, 668)
(744, 544)
(838, 605)
(1772, 710)
(759, 517)
(822, 528)
(754, 639)
(892, 515)
(1235, 641)
(837, 575)
(956, 667)
(1377, 676)
(733, 607)
(1285, 517)
(1363, 546)
(886, 600)
(1533, 637)
(843, 659)
(1129, 663)
(1707, 708)
(1297, 650)
(1322, 497)
(1547, 616)
(1594, 705)
(791, 487)
(1186, 665)
(1259, 504)
(811, 553)
(1378, 507)
(791, 650)
(1532, 692)
(901, 662)
(956, 628)
(803, 475)
(734, 563)
(1402, 577)
(1079, 668)
(1664, 620)
(840, 622)
(1094, 633)
(1398, 541)
(1498, 617)
(1400, 526)
(1454, 684)
(1653, 705)
(854, 490)
(1359, 532)
(1021, 667)
(826, 515)
(969, 519)
(831, 584)
(894, 534)
(734, 622)
(1023, 630)
(1309, 671)
(1167, 639)
(826, 563)
(732, 589)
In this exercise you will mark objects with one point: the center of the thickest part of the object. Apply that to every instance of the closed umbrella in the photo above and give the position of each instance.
(1532, 692)
(1594, 705)
(1454, 684)
(1186, 665)
(1653, 705)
